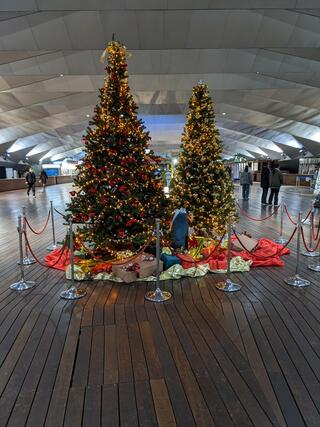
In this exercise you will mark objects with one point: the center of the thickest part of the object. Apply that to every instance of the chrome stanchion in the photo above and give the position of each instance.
(157, 295)
(228, 285)
(54, 243)
(281, 240)
(27, 260)
(22, 285)
(313, 253)
(307, 221)
(296, 280)
(72, 292)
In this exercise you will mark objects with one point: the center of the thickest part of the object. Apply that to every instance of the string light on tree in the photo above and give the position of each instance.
(202, 185)
(116, 193)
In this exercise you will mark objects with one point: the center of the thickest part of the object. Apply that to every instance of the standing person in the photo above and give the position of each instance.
(31, 182)
(43, 179)
(276, 180)
(180, 229)
(245, 182)
(265, 182)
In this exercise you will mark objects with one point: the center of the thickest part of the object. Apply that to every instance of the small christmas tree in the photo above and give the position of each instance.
(202, 185)
(117, 194)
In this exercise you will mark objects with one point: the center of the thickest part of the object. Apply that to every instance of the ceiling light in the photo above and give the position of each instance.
(88, 115)
(224, 114)
(257, 72)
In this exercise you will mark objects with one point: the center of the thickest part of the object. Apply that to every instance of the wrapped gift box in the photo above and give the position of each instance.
(169, 260)
(248, 242)
(127, 272)
(149, 268)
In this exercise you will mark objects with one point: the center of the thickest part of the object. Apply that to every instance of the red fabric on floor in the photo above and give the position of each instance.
(53, 256)
(263, 256)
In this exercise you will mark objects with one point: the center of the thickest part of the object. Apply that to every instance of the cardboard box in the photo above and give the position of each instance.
(121, 272)
(248, 242)
(149, 268)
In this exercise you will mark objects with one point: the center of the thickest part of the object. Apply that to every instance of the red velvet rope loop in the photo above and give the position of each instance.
(315, 237)
(271, 256)
(63, 216)
(305, 244)
(125, 260)
(44, 227)
(290, 218)
(36, 258)
(258, 219)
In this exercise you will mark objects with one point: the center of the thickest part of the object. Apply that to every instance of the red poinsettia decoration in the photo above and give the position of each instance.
(84, 217)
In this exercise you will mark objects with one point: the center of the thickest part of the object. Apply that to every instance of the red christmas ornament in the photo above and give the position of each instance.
(118, 217)
(92, 215)
(121, 233)
(84, 217)
(122, 188)
(131, 222)
(72, 193)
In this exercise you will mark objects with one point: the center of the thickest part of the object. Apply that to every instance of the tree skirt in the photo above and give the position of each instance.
(264, 255)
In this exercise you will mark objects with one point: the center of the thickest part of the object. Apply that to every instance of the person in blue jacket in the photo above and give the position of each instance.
(180, 229)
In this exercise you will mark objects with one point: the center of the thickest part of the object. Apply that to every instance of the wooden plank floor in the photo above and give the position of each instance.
(204, 358)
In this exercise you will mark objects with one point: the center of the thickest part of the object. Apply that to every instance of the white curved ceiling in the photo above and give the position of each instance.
(261, 60)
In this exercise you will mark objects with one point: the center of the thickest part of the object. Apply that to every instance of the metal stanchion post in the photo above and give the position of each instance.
(72, 292)
(307, 221)
(27, 260)
(54, 244)
(22, 285)
(308, 253)
(157, 295)
(296, 280)
(281, 240)
(228, 285)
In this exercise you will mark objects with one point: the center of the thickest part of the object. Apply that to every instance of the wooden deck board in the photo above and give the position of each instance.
(111, 358)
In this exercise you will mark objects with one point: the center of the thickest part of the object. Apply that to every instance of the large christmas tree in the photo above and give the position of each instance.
(202, 185)
(117, 194)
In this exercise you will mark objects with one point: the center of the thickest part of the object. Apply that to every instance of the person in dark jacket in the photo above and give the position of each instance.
(276, 180)
(43, 178)
(265, 183)
(245, 182)
(31, 182)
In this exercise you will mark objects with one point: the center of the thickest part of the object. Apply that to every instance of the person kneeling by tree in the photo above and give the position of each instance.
(31, 182)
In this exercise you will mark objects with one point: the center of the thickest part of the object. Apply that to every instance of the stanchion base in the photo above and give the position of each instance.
(312, 254)
(157, 296)
(53, 247)
(297, 281)
(281, 241)
(27, 261)
(73, 293)
(22, 285)
(228, 286)
(315, 267)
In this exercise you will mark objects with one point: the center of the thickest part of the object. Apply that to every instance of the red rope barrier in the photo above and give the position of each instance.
(123, 261)
(44, 227)
(258, 219)
(36, 258)
(290, 218)
(312, 228)
(63, 216)
(271, 256)
(305, 244)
